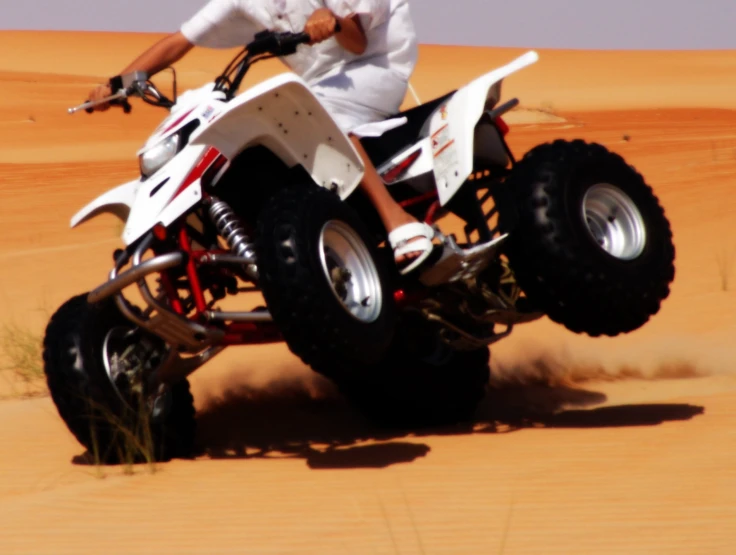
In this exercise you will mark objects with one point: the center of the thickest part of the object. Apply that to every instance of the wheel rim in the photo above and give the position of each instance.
(614, 221)
(350, 271)
(128, 358)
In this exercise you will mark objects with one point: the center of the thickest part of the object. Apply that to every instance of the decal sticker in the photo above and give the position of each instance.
(441, 139)
(444, 150)
(210, 113)
(176, 122)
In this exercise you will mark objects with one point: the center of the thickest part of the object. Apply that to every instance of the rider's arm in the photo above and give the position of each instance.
(358, 17)
(161, 55)
(351, 36)
(321, 25)
(218, 24)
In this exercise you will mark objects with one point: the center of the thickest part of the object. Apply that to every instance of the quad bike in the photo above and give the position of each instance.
(256, 195)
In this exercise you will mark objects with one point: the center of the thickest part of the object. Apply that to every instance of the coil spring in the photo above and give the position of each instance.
(228, 225)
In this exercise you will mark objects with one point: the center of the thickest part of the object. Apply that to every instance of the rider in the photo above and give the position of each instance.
(360, 74)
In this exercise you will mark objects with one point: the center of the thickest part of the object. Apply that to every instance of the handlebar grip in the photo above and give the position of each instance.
(302, 38)
(280, 44)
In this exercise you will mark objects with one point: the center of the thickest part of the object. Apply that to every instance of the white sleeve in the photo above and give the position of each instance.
(372, 12)
(219, 24)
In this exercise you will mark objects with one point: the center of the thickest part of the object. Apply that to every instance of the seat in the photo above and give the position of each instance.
(380, 149)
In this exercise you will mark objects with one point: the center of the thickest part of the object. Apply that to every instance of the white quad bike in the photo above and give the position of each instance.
(258, 193)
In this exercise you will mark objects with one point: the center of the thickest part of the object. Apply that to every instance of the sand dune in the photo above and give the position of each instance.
(583, 445)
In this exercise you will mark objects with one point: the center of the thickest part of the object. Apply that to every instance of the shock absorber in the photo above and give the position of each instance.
(228, 225)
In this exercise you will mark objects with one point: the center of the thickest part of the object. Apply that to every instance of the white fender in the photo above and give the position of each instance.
(117, 201)
(141, 204)
(284, 115)
(163, 197)
(453, 124)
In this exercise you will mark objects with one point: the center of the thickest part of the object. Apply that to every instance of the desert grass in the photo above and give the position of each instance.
(22, 348)
(133, 445)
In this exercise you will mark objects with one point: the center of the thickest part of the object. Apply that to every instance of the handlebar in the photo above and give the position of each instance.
(131, 84)
(119, 98)
(137, 83)
(266, 44)
(278, 44)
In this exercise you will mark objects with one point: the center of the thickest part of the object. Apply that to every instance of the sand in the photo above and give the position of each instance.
(639, 460)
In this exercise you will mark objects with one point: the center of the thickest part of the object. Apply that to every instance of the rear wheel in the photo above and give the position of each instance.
(592, 247)
(95, 362)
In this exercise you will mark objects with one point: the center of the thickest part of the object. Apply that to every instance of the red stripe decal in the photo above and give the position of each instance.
(209, 156)
(440, 151)
(393, 173)
(440, 130)
(502, 126)
(177, 122)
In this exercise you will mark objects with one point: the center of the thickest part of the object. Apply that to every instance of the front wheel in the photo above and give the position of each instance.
(591, 246)
(322, 278)
(95, 362)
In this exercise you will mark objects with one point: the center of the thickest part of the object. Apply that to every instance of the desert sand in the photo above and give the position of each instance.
(624, 445)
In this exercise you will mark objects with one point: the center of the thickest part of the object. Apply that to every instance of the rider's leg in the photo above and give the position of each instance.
(371, 94)
(391, 213)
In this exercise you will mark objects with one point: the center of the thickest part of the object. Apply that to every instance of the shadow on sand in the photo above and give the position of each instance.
(288, 422)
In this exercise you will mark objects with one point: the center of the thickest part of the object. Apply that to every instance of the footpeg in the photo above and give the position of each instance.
(458, 264)
(182, 332)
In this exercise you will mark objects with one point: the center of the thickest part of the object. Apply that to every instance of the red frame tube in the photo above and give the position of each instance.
(171, 293)
(417, 199)
(429, 218)
(194, 283)
(236, 333)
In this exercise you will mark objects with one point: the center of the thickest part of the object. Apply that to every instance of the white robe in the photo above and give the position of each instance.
(355, 89)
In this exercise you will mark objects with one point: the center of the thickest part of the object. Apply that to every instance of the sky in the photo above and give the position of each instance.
(597, 24)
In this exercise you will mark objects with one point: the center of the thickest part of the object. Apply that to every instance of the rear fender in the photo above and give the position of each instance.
(283, 115)
(452, 128)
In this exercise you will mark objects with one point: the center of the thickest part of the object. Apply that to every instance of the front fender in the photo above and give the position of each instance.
(117, 201)
(284, 115)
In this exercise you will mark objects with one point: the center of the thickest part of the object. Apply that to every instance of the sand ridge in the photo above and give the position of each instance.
(583, 445)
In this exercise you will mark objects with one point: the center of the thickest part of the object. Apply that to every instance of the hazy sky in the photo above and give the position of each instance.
(662, 24)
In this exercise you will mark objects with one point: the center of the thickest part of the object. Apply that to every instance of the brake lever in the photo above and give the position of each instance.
(88, 105)
(125, 105)
(121, 83)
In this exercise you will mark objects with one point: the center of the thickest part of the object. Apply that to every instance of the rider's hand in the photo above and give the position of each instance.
(98, 93)
(321, 25)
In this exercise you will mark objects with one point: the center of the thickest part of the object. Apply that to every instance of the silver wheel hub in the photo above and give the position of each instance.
(614, 221)
(128, 359)
(350, 271)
